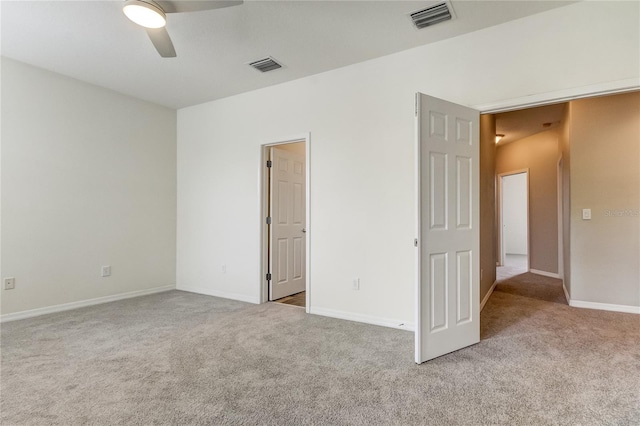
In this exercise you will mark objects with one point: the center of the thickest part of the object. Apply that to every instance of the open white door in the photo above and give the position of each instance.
(287, 245)
(448, 288)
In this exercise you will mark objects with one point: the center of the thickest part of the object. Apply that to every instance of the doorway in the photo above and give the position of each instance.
(513, 189)
(285, 211)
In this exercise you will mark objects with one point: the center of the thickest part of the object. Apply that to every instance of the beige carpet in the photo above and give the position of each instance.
(180, 358)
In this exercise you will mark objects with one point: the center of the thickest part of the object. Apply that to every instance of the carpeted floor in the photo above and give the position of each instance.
(181, 358)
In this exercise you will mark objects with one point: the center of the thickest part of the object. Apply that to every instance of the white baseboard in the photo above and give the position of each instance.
(82, 303)
(545, 273)
(218, 293)
(605, 306)
(488, 295)
(350, 316)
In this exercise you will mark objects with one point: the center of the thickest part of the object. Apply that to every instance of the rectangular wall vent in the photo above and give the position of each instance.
(432, 15)
(266, 64)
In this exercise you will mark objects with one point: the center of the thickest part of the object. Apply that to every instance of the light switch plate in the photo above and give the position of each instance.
(586, 214)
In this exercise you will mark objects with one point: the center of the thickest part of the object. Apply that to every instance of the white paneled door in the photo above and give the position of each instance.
(287, 213)
(448, 302)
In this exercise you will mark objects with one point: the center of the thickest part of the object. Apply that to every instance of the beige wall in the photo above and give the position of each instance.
(487, 203)
(605, 177)
(539, 154)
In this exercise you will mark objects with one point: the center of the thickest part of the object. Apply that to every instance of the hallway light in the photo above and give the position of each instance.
(498, 137)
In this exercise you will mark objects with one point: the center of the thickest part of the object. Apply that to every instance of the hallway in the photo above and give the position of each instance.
(514, 278)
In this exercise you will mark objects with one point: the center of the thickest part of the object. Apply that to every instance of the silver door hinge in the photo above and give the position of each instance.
(269, 163)
(415, 242)
(268, 277)
(269, 220)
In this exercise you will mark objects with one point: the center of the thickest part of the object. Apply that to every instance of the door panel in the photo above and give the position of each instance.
(438, 190)
(298, 203)
(287, 246)
(464, 193)
(298, 257)
(465, 286)
(281, 207)
(448, 314)
(439, 286)
(282, 254)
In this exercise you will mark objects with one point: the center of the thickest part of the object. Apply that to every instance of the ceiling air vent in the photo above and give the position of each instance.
(432, 15)
(266, 64)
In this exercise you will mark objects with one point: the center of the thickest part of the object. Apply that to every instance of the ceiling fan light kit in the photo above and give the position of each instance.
(145, 13)
(152, 16)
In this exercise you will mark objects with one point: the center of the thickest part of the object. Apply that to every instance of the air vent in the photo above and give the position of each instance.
(432, 15)
(266, 64)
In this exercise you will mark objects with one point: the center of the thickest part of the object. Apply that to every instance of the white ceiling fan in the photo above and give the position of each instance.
(151, 15)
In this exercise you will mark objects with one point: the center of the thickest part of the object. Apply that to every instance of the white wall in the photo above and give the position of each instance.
(514, 213)
(361, 122)
(88, 179)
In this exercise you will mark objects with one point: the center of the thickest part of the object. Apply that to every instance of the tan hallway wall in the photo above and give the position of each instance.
(605, 177)
(539, 154)
(487, 203)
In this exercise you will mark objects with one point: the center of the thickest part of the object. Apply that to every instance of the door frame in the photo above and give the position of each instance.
(560, 193)
(264, 213)
(513, 104)
(501, 253)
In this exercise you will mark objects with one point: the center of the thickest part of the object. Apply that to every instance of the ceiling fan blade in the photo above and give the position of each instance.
(180, 6)
(161, 40)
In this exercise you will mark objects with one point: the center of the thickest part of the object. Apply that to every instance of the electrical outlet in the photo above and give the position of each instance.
(106, 271)
(356, 283)
(9, 283)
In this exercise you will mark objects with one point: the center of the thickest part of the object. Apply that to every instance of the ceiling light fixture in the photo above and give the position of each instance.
(145, 13)
(498, 137)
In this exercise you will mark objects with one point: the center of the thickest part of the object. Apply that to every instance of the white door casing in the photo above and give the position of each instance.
(560, 191)
(287, 212)
(448, 282)
(502, 226)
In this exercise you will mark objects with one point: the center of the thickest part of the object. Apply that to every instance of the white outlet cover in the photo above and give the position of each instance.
(106, 271)
(586, 214)
(9, 283)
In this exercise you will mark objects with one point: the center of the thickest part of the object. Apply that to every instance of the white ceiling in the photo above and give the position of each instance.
(93, 41)
(516, 125)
